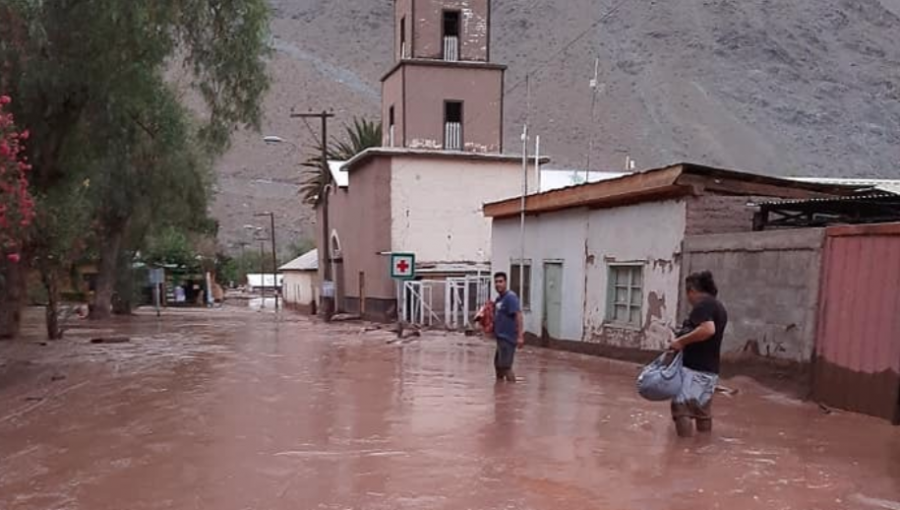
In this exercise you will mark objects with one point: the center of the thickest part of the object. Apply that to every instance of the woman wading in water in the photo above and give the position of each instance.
(701, 343)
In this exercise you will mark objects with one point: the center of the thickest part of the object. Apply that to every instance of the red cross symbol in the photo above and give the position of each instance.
(403, 266)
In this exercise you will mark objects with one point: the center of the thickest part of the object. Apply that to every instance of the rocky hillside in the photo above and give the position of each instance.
(809, 87)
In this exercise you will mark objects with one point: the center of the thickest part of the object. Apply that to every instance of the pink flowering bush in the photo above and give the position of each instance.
(16, 203)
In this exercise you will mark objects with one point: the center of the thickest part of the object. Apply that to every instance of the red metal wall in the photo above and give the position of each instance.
(857, 364)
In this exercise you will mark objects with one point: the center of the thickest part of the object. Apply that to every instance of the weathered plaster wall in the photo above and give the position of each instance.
(557, 237)
(300, 288)
(474, 36)
(480, 90)
(769, 282)
(587, 242)
(392, 96)
(650, 234)
(403, 12)
(714, 214)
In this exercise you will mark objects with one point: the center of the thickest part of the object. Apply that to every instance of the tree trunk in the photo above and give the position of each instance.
(51, 283)
(12, 294)
(123, 302)
(106, 276)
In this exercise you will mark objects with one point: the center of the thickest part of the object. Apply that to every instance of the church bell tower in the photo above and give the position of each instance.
(443, 92)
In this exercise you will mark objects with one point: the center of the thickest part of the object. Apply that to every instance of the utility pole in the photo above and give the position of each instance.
(262, 272)
(522, 213)
(244, 268)
(325, 255)
(271, 216)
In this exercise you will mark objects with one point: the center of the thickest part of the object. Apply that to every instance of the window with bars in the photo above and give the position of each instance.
(451, 29)
(404, 51)
(524, 292)
(391, 123)
(626, 294)
(453, 118)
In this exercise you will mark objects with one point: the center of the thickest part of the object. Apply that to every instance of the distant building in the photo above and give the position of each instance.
(300, 284)
(442, 159)
(257, 282)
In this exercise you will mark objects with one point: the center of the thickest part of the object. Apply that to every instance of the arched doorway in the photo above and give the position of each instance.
(337, 269)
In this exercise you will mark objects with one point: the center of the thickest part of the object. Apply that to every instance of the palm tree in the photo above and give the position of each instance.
(362, 135)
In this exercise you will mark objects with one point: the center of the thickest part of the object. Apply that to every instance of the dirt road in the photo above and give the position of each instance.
(231, 410)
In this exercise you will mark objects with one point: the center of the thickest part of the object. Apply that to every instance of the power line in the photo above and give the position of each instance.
(530, 73)
(533, 71)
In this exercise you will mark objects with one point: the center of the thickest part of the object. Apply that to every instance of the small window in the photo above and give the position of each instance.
(626, 294)
(451, 23)
(403, 51)
(451, 36)
(391, 126)
(523, 291)
(453, 117)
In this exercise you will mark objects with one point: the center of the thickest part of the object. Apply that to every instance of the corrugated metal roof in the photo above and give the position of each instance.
(309, 261)
(853, 198)
(888, 185)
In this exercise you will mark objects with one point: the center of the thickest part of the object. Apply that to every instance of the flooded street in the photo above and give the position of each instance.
(230, 409)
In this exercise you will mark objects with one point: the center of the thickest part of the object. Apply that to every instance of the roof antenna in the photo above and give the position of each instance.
(595, 89)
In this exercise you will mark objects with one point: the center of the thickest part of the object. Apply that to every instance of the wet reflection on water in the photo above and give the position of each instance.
(230, 409)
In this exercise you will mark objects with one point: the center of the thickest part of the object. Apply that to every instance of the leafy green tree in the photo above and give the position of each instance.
(167, 184)
(361, 135)
(91, 79)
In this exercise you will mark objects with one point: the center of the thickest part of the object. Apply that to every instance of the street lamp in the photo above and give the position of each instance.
(325, 252)
(271, 216)
(277, 140)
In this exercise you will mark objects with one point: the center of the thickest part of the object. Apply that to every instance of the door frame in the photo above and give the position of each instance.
(545, 330)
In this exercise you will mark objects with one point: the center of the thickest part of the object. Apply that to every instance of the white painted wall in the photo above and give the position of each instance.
(586, 242)
(300, 287)
(436, 206)
(650, 233)
(550, 237)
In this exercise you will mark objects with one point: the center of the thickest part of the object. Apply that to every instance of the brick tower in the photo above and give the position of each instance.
(443, 93)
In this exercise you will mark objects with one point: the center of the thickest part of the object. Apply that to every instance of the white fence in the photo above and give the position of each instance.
(450, 303)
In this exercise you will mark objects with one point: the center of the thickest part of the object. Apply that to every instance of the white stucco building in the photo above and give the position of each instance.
(602, 261)
(424, 202)
(300, 282)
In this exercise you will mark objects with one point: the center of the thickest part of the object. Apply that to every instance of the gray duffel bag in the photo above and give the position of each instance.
(660, 381)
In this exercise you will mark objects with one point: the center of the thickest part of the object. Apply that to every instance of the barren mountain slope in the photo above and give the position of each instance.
(809, 87)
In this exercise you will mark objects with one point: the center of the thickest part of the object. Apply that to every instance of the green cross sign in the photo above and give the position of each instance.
(403, 266)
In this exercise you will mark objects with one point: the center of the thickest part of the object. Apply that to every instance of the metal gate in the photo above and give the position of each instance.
(416, 303)
(463, 297)
(450, 303)
(857, 364)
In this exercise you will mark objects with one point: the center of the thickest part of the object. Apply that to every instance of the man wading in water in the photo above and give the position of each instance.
(508, 329)
(701, 343)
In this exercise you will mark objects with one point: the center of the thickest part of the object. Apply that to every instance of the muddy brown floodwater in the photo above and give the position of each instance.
(231, 410)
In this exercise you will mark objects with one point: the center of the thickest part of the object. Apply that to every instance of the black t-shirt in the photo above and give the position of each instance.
(704, 356)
